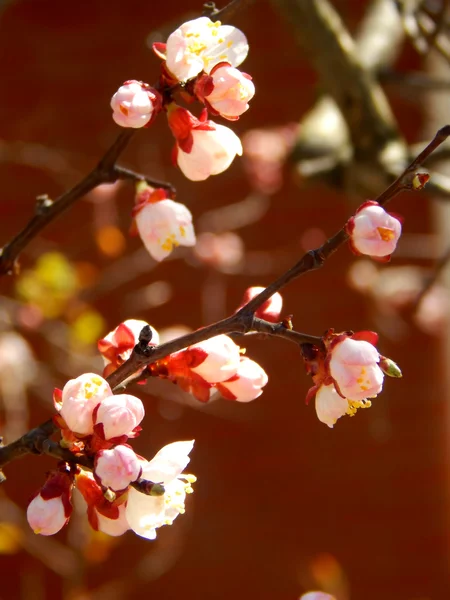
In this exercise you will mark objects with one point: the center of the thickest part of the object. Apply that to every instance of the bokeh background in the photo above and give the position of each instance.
(283, 504)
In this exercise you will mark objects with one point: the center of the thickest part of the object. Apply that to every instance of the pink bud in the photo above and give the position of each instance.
(118, 415)
(117, 346)
(134, 104)
(227, 91)
(50, 509)
(117, 468)
(162, 223)
(270, 310)
(353, 366)
(216, 359)
(373, 231)
(80, 397)
(246, 384)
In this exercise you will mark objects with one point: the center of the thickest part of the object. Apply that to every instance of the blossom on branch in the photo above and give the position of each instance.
(146, 513)
(50, 509)
(226, 91)
(117, 468)
(135, 104)
(162, 224)
(118, 416)
(373, 231)
(116, 347)
(246, 384)
(202, 148)
(269, 310)
(199, 45)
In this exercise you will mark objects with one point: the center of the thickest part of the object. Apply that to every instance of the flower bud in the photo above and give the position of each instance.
(135, 104)
(117, 416)
(389, 367)
(215, 360)
(117, 468)
(50, 509)
(373, 231)
(270, 310)
(80, 397)
(246, 384)
(226, 91)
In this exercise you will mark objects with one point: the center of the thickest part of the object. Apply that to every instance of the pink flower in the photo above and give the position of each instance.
(373, 231)
(135, 104)
(116, 347)
(353, 365)
(226, 91)
(162, 223)
(200, 44)
(118, 416)
(270, 310)
(317, 596)
(117, 468)
(50, 509)
(246, 384)
(215, 360)
(146, 513)
(80, 397)
(203, 148)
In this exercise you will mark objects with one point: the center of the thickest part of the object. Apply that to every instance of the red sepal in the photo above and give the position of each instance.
(366, 336)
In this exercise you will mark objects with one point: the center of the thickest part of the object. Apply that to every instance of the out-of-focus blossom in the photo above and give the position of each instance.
(117, 468)
(246, 384)
(199, 45)
(146, 513)
(118, 416)
(203, 148)
(317, 596)
(226, 91)
(50, 509)
(224, 251)
(116, 347)
(135, 104)
(373, 231)
(79, 399)
(162, 224)
(270, 310)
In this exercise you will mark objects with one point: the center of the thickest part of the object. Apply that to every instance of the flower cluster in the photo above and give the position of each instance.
(347, 374)
(200, 61)
(216, 364)
(96, 425)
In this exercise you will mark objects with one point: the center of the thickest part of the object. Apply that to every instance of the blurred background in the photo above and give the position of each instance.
(283, 504)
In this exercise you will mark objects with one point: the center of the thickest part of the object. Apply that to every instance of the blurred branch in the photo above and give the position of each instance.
(228, 12)
(432, 279)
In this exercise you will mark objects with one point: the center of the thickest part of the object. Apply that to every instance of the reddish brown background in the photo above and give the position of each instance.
(277, 491)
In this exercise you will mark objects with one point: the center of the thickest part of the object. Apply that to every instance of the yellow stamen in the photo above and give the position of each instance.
(386, 234)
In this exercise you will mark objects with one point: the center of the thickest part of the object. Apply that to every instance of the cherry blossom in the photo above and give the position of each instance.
(146, 513)
(50, 509)
(116, 347)
(162, 224)
(373, 231)
(135, 104)
(117, 468)
(330, 406)
(118, 416)
(226, 91)
(203, 147)
(79, 399)
(246, 384)
(199, 45)
(215, 360)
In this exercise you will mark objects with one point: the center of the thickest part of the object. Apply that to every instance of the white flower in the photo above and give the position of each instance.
(113, 527)
(354, 368)
(200, 44)
(146, 513)
(212, 152)
(163, 226)
(329, 405)
(246, 384)
(134, 104)
(373, 231)
(216, 359)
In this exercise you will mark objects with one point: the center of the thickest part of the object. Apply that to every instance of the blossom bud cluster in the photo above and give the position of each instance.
(348, 375)
(97, 424)
(203, 57)
(215, 364)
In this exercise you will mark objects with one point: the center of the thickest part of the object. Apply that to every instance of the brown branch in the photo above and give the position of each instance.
(228, 12)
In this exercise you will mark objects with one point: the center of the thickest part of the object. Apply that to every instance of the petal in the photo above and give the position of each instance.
(329, 405)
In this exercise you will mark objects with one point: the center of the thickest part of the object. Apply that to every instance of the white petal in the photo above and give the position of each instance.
(329, 405)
